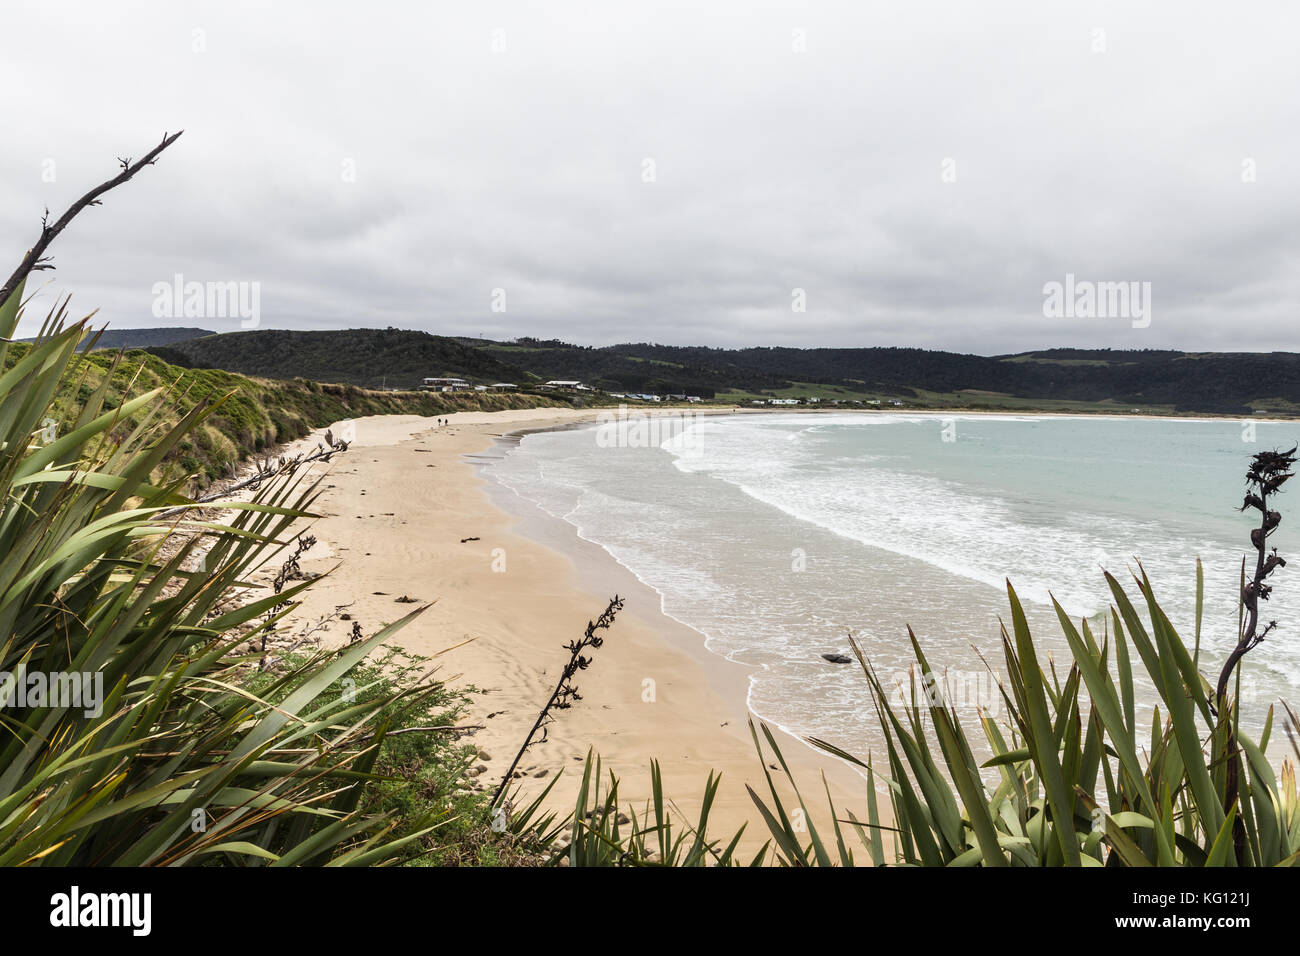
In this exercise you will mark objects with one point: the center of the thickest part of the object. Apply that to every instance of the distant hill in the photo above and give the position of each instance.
(1221, 382)
(142, 338)
(366, 357)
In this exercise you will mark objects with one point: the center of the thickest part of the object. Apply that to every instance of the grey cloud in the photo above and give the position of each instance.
(820, 170)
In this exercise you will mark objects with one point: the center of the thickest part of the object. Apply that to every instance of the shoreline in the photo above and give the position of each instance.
(393, 510)
(727, 676)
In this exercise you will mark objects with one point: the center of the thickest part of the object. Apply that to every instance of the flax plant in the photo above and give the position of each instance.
(177, 764)
(1082, 777)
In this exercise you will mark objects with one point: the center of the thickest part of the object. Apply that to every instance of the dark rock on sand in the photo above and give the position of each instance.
(838, 658)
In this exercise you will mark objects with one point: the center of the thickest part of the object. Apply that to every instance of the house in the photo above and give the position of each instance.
(562, 383)
(446, 384)
(783, 401)
(502, 386)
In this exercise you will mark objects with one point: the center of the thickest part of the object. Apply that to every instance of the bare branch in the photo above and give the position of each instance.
(265, 470)
(565, 692)
(36, 260)
(1269, 471)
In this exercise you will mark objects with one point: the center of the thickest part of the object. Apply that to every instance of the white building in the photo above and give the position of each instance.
(446, 384)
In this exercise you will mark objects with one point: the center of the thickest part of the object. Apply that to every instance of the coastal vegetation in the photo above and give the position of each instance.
(153, 751)
(1082, 778)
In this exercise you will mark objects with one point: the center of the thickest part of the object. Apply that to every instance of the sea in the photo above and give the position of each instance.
(776, 536)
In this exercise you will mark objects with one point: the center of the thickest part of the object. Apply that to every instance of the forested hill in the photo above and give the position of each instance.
(138, 338)
(1232, 383)
(368, 357)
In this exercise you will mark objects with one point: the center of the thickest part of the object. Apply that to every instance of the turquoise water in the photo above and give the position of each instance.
(775, 535)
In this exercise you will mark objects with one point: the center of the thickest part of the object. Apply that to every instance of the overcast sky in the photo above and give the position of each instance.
(919, 170)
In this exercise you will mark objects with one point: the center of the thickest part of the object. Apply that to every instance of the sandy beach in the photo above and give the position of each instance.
(394, 510)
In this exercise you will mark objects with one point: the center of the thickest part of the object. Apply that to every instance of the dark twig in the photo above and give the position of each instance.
(291, 570)
(565, 693)
(1269, 470)
(265, 470)
(36, 260)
